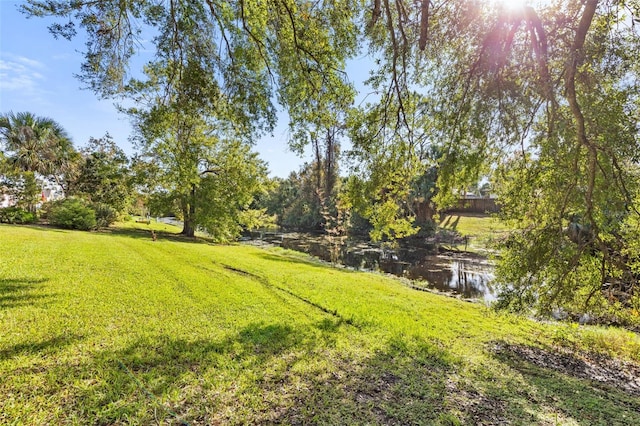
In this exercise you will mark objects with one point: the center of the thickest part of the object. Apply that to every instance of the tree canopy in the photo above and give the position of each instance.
(103, 175)
(251, 52)
(216, 70)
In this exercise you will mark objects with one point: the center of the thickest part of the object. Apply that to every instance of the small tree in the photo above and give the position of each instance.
(20, 186)
(103, 175)
(38, 145)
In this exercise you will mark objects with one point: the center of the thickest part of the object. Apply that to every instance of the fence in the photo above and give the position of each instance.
(475, 205)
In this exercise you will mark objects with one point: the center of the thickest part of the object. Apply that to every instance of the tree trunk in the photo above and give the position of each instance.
(424, 24)
(316, 146)
(330, 162)
(189, 214)
(188, 228)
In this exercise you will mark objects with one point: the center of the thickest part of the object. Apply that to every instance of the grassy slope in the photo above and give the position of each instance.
(115, 328)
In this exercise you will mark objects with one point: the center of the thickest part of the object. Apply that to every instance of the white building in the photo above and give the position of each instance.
(6, 200)
(50, 191)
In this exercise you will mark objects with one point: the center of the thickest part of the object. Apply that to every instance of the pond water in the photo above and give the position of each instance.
(460, 273)
(464, 274)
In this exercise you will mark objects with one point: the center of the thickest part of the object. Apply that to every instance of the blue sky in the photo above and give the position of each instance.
(37, 75)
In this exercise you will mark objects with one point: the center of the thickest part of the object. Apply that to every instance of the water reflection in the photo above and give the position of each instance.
(466, 275)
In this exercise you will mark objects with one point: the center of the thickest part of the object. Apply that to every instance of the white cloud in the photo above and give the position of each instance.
(22, 79)
(16, 76)
(31, 63)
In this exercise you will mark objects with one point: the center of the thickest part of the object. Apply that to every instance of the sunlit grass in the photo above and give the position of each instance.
(481, 231)
(113, 327)
(141, 224)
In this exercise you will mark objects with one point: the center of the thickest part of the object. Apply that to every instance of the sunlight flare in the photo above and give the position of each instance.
(512, 4)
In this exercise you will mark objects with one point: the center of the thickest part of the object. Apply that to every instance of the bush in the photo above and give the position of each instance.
(72, 213)
(105, 214)
(16, 215)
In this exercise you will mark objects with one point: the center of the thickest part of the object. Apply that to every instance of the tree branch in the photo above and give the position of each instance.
(571, 70)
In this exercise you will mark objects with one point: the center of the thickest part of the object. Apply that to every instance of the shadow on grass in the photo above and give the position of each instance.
(285, 373)
(402, 383)
(263, 374)
(31, 348)
(43, 227)
(132, 233)
(145, 234)
(444, 222)
(588, 391)
(454, 225)
(15, 292)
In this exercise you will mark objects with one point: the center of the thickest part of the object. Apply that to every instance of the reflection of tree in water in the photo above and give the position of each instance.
(470, 279)
(467, 277)
(433, 270)
(466, 274)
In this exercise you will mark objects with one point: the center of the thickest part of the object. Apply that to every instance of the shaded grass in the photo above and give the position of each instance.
(587, 401)
(116, 328)
(18, 291)
(133, 227)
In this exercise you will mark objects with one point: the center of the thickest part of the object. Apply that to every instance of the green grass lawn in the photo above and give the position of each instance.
(138, 223)
(481, 229)
(114, 328)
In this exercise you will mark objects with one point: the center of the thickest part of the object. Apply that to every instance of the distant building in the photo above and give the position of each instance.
(50, 191)
(6, 200)
(473, 203)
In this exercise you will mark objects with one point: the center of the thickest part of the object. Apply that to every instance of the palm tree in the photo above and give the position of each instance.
(37, 144)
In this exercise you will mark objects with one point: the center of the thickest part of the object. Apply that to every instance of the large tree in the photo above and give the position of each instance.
(548, 97)
(217, 67)
(190, 123)
(207, 176)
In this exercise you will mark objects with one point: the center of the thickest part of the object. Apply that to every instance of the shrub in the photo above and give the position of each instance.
(16, 215)
(72, 213)
(105, 214)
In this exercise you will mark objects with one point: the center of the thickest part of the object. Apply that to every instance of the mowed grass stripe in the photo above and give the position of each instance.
(376, 299)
